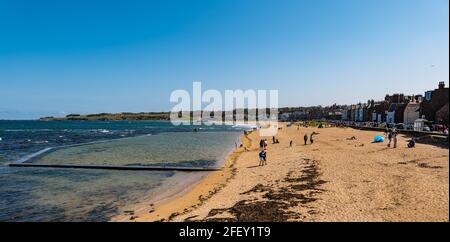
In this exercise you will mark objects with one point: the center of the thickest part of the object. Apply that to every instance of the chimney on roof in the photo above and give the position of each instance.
(418, 98)
(441, 85)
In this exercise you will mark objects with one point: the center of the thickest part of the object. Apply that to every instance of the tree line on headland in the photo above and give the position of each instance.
(111, 117)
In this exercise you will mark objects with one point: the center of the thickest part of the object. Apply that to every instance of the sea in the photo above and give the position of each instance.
(63, 194)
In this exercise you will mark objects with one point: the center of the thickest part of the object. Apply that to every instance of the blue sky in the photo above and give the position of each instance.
(59, 57)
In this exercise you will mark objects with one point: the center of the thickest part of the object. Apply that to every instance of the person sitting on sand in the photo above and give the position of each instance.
(352, 138)
(412, 143)
(305, 138)
(262, 158)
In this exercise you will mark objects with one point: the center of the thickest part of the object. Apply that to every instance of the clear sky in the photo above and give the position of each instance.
(76, 56)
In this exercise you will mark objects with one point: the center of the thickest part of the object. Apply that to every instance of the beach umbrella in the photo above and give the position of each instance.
(378, 139)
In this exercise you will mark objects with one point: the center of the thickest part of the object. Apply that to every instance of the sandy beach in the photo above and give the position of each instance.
(335, 179)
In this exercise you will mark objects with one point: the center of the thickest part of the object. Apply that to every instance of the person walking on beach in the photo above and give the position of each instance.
(390, 136)
(290, 143)
(305, 138)
(265, 143)
(311, 138)
(394, 137)
(261, 144)
(262, 158)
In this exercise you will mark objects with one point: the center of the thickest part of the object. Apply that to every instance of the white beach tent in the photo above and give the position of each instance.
(419, 124)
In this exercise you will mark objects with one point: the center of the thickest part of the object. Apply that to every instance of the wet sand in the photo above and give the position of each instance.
(335, 179)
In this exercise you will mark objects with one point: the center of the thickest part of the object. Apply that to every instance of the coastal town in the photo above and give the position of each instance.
(427, 112)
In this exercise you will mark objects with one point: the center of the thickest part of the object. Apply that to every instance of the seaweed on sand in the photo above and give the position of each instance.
(260, 211)
(277, 200)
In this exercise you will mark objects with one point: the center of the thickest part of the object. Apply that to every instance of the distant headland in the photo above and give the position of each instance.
(111, 117)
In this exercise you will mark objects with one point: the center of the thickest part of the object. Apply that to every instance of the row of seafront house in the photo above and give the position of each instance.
(433, 107)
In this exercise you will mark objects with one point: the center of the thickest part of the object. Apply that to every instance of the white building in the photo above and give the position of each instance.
(411, 113)
(419, 124)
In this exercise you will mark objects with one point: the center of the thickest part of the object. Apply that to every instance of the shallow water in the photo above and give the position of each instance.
(180, 148)
(45, 194)
(71, 194)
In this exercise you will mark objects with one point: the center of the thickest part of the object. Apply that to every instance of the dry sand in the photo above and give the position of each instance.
(335, 179)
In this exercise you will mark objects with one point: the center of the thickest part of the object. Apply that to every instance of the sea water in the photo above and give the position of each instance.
(55, 194)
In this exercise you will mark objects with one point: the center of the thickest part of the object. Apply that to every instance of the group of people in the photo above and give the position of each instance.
(392, 137)
(275, 140)
(311, 138)
(263, 146)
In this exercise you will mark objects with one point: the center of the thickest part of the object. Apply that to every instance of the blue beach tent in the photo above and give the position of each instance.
(378, 139)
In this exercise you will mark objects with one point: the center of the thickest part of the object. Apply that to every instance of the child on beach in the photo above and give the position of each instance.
(389, 137)
(305, 138)
(290, 143)
(394, 136)
(262, 158)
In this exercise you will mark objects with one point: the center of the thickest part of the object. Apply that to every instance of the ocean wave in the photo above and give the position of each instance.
(34, 155)
(41, 142)
(245, 126)
(28, 130)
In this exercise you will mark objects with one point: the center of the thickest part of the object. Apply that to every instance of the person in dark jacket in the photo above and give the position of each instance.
(262, 158)
(412, 143)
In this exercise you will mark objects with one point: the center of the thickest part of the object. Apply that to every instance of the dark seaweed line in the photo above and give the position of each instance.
(278, 201)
